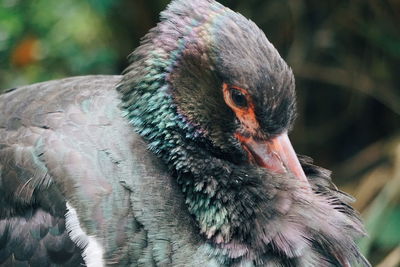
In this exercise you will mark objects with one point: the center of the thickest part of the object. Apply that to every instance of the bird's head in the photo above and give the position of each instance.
(215, 101)
(231, 83)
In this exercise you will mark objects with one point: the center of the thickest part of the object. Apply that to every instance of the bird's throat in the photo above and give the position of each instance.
(148, 105)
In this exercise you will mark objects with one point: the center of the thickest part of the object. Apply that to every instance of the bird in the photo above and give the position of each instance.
(182, 160)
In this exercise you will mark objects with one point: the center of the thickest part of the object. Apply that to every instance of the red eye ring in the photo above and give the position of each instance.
(245, 113)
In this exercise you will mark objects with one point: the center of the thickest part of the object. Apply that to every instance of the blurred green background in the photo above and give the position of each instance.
(345, 56)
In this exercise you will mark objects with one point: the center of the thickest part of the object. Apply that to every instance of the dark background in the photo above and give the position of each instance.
(345, 56)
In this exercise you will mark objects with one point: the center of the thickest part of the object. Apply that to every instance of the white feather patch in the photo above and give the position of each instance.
(92, 249)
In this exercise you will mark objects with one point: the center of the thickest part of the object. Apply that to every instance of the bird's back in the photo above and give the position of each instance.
(66, 149)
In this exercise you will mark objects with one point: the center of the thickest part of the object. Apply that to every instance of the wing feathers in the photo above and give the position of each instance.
(36, 238)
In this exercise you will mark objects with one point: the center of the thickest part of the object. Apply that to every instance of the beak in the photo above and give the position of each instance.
(276, 155)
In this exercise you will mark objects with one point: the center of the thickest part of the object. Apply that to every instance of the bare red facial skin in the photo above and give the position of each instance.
(275, 154)
(246, 115)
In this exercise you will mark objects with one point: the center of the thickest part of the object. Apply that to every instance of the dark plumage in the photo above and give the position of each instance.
(183, 160)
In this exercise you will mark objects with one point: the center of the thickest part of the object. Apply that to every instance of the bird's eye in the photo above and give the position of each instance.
(238, 98)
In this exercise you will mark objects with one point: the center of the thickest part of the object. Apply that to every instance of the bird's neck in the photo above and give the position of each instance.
(148, 104)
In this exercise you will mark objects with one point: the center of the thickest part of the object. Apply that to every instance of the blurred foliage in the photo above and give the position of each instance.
(41, 40)
(345, 56)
